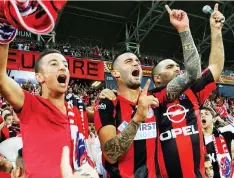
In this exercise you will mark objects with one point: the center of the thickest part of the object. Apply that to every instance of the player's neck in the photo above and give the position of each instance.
(130, 94)
(57, 100)
(208, 131)
(158, 85)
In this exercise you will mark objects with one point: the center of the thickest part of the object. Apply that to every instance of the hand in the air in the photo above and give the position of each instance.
(107, 93)
(145, 102)
(178, 19)
(217, 18)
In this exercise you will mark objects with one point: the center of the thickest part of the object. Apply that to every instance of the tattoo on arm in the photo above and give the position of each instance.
(192, 68)
(117, 146)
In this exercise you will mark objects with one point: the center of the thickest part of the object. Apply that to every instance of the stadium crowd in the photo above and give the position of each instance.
(96, 53)
(222, 107)
(61, 128)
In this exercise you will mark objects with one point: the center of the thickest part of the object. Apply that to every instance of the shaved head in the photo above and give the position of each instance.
(161, 65)
(164, 72)
(126, 69)
(122, 56)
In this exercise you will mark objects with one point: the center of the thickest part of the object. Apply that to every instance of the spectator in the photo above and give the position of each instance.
(6, 122)
(217, 143)
(221, 108)
(208, 167)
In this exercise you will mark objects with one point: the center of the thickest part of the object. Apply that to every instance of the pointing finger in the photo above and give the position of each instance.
(216, 7)
(168, 9)
(145, 89)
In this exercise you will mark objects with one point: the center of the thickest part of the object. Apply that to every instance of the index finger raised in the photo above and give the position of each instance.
(146, 87)
(168, 9)
(216, 7)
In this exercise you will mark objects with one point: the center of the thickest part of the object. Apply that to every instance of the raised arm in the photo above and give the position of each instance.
(216, 60)
(9, 89)
(179, 84)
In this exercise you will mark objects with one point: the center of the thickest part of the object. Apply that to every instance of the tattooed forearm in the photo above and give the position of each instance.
(192, 68)
(117, 146)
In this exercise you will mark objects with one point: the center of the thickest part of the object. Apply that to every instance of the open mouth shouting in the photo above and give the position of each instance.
(203, 121)
(136, 73)
(62, 78)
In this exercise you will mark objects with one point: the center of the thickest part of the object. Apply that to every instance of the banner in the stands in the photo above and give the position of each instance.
(79, 68)
(226, 79)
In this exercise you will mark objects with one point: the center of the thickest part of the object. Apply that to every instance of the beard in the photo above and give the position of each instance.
(133, 85)
(165, 78)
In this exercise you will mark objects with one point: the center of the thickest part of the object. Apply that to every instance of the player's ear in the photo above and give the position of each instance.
(115, 73)
(157, 78)
(39, 77)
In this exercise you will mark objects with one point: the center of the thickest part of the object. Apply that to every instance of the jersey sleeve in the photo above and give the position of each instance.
(104, 114)
(28, 104)
(204, 86)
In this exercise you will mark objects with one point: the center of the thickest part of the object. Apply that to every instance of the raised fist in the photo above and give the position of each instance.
(217, 18)
(178, 19)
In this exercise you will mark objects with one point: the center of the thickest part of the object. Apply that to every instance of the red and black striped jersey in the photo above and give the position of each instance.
(139, 160)
(180, 151)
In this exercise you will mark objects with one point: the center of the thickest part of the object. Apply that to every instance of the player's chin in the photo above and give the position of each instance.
(135, 85)
(204, 126)
(61, 90)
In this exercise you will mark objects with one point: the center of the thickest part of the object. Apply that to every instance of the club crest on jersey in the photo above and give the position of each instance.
(101, 106)
(182, 97)
(176, 113)
(150, 113)
(225, 165)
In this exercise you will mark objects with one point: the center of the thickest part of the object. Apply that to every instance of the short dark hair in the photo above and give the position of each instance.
(7, 115)
(4, 106)
(207, 158)
(208, 109)
(116, 57)
(44, 53)
(155, 65)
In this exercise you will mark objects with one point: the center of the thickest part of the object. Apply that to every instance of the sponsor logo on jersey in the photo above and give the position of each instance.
(101, 106)
(176, 113)
(173, 133)
(145, 131)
